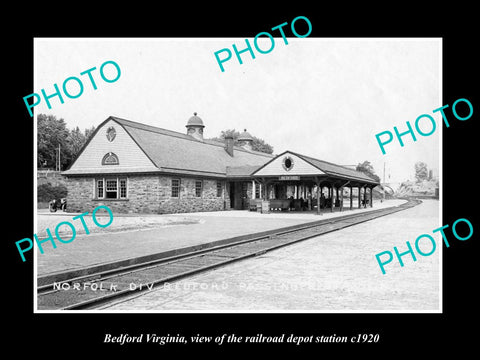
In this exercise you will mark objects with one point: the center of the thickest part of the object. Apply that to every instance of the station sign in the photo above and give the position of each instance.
(288, 177)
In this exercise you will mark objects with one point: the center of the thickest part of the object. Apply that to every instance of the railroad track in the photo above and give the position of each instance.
(99, 289)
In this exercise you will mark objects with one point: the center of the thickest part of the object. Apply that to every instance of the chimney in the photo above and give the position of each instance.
(229, 144)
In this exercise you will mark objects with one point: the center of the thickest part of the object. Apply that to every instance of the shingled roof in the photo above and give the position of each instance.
(337, 170)
(178, 153)
(174, 152)
(328, 168)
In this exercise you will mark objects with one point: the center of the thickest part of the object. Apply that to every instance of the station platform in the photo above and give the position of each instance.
(135, 236)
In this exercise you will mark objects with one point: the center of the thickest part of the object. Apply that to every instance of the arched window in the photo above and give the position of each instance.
(110, 159)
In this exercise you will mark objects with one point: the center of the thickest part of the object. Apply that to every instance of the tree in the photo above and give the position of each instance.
(75, 140)
(257, 143)
(52, 133)
(262, 146)
(421, 171)
(89, 133)
(367, 168)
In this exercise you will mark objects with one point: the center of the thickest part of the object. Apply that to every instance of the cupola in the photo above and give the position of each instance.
(245, 140)
(195, 127)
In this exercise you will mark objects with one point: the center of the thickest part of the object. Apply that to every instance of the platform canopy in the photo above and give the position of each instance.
(305, 174)
(293, 167)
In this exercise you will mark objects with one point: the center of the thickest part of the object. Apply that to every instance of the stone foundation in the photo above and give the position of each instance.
(149, 194)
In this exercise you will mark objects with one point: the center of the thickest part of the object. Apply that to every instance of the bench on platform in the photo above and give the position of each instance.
(280, 204)
(254, 204)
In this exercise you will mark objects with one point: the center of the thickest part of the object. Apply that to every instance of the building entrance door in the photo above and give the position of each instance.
(231, 186)
(238, 195)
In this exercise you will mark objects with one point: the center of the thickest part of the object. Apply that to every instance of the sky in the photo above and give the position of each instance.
(322, 97)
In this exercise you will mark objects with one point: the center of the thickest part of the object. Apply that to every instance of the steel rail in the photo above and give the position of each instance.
(57, 299)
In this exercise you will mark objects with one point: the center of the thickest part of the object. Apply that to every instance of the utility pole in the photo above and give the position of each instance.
(384, 172)
(59, 162)
(383, 181)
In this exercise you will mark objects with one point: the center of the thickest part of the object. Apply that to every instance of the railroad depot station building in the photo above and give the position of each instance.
(136, 168)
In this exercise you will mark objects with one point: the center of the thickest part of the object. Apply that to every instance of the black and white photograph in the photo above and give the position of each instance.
(202, 182)
(262, 187)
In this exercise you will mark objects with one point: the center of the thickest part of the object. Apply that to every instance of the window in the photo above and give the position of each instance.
(287, 163)
(123, 188)
(175, 187)
(111, 188)
(257, 191)
(219, 189)
(110, 159)
(100, 189)
(198, 188)
(244, 189)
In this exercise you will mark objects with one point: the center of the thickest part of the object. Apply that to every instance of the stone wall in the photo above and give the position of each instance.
(149, 194)
(79, 194)
(187, 201)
